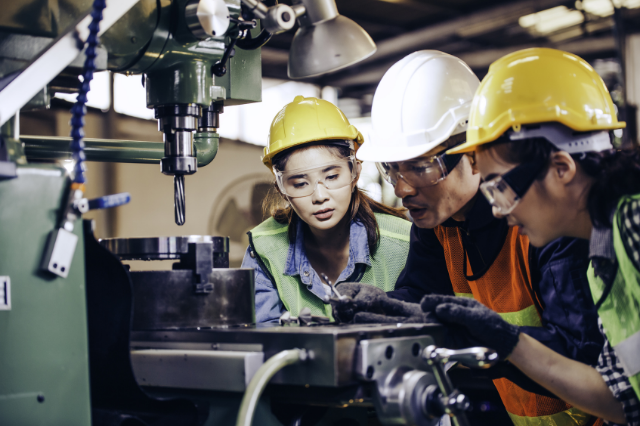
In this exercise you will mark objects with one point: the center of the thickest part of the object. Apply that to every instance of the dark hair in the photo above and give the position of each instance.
(616, 172)
(361, 207)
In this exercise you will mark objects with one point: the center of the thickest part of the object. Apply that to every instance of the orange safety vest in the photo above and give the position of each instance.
(505, 288)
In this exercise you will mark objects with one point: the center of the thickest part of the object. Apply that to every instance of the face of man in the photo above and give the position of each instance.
(431, 203)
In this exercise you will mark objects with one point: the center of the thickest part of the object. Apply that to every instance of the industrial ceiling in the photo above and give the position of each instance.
(478, 32)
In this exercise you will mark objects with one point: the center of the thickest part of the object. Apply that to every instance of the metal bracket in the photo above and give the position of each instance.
(59, 253)
(199, 258)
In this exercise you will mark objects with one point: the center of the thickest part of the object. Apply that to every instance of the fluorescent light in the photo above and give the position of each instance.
(596, 7)
(551, 20)
(605, 7)
(629, 4)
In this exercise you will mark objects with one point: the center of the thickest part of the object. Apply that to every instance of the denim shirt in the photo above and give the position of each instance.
(269, 307)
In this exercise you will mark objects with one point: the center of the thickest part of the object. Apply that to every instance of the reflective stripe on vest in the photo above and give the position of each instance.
(504, 288)
(619, 312)
(527, 316)
(271, 243)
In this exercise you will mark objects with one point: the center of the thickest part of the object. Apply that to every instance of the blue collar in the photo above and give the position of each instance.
(298, 264)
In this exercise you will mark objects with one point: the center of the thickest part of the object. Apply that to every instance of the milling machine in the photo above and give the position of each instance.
(87, 341)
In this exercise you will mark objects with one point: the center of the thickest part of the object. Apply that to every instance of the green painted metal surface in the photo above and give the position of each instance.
(44, 367)
(188, 82)
(116, 151)
(107, 150)
(129, 38)
(206, 146)
(243, 80)
(179, 70)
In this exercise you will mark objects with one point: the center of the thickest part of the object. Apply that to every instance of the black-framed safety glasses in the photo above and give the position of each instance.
(504, 192)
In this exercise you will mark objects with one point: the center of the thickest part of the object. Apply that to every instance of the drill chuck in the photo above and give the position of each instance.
(177, 123)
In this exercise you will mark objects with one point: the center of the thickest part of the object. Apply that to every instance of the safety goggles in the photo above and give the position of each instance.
(419, 172)
(504, 192)
(304, 182)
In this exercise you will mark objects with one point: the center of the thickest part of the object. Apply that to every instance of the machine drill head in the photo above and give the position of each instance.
(177, 123)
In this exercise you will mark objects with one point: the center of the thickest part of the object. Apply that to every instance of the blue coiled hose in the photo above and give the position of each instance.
(79, 110)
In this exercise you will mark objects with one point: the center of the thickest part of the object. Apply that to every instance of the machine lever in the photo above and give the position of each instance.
(477, 357)
(453, 402)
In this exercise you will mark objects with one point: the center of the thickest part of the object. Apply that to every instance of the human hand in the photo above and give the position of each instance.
(367, 303)
(482, 323)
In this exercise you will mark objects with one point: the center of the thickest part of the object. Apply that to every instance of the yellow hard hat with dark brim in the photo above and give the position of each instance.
(308, 120)
(538, 85)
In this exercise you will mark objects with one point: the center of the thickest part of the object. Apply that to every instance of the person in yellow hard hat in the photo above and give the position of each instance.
(540, 126)
(321, 223)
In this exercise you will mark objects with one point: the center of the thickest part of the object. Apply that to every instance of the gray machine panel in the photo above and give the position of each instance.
(334, 347)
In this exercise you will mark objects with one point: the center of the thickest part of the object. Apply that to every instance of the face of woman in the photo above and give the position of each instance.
(543, 213)
(325, 208)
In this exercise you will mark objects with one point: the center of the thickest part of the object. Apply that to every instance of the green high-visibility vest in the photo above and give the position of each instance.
(620, 312)
(270, 241)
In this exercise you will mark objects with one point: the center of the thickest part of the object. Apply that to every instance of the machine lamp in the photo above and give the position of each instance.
(325, 42)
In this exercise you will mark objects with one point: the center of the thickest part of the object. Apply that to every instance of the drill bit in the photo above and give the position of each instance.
(179, 199)
(326, 279)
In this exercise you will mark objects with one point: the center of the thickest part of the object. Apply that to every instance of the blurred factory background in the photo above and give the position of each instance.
(225, 198)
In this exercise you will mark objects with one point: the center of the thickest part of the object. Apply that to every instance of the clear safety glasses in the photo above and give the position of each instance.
(304, 182)
(504, 192)
(419, 172)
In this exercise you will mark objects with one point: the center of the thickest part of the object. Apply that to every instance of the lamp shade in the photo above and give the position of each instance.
(328, 46)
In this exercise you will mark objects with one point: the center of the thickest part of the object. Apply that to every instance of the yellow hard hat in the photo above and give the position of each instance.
(538, 85)
(308, 120)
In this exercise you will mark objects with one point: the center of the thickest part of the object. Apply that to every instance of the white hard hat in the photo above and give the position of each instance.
(420, 102)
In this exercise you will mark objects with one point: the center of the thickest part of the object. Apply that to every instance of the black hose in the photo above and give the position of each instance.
(250, 43)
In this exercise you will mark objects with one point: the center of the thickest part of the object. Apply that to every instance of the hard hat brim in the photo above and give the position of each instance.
(471, 146)
(379, 154)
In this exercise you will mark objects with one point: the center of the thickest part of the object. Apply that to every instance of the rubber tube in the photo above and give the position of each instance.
(260, 380)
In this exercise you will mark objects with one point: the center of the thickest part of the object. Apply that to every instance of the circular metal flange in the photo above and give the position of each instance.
(158, 248)
(173, 110)
(179, 165)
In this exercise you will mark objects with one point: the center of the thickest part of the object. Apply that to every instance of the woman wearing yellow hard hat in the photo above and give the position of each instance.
(540, 125)
(323, 229)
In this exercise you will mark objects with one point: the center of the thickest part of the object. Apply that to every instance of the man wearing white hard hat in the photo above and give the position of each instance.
(421, 109)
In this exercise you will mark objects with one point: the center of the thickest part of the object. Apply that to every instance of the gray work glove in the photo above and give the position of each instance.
(365, 303)
(483, 324)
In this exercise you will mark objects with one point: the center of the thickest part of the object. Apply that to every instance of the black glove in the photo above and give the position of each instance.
(483, 324)
(365, 303)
